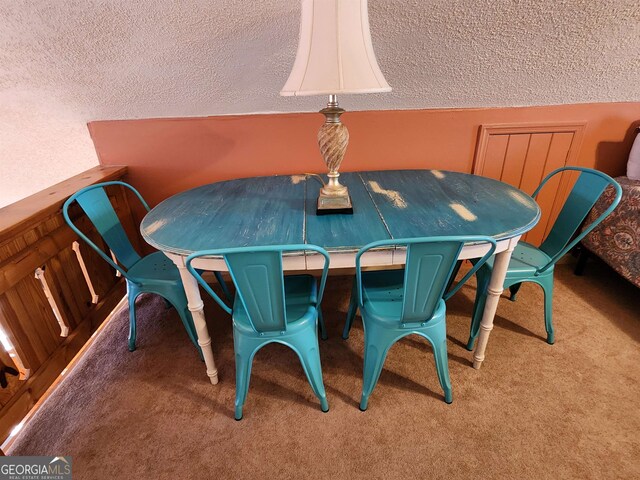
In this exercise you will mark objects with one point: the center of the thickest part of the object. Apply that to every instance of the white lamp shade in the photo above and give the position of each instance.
(335, 54)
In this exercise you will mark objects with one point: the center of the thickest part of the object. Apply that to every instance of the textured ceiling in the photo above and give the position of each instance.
(65, 63)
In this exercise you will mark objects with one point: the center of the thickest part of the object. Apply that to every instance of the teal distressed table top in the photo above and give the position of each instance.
(280, 210)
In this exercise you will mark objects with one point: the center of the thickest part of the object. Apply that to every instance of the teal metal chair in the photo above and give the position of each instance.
(536, 264)
(270, 307)
(397, 303)
(154, 273)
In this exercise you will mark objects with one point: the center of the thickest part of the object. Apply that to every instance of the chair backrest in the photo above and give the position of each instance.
(584, 194)
(258, 276)
(429, 265)
(96, 205)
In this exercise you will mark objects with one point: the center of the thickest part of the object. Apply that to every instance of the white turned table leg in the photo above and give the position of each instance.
(196, 307)
(496, 287)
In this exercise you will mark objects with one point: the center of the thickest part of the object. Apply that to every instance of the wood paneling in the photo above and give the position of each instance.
(24, 395)
(494, 157)
(533, 172)
(39, 210)
(515, 159)
(33, 234)
(521, 155)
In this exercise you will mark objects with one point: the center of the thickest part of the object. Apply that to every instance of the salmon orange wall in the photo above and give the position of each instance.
(169, 155)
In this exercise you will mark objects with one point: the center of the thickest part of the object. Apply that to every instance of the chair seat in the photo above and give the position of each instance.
(300, 293)
(525, 260)
(155, 267)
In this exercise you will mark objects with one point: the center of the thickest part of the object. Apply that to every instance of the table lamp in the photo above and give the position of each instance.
(335, 56)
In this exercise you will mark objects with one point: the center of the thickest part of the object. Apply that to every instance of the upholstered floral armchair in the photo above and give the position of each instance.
(617, 239)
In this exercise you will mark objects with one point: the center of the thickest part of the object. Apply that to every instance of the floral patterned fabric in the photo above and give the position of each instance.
(617, 239)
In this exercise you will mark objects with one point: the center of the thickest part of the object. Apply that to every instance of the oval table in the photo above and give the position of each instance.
(280, 210)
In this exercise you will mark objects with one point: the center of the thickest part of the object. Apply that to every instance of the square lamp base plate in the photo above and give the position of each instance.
(331, 205)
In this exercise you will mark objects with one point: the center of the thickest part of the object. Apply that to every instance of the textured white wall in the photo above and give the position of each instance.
(63, 63)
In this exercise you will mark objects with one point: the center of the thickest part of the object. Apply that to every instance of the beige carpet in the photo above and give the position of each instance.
(533, 411)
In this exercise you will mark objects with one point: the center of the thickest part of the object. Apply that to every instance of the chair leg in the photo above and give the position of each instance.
(178, 300)
(513, 290)
(351, 313)
(132, 294)
(323, 328)
(244, 352)
(377, 345)
(223, 285)
(442, 367)
(547, 286)
(483, 277)
(308, 351)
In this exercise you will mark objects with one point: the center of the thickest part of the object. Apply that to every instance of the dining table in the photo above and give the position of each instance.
(390, 204)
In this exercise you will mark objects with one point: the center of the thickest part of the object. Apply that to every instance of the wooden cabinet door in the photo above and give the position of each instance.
(522, 154)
